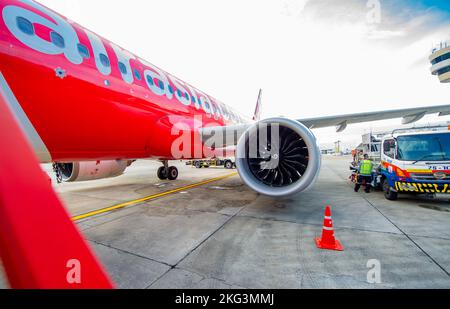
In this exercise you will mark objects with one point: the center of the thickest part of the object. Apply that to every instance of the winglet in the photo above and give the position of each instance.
(257, 115)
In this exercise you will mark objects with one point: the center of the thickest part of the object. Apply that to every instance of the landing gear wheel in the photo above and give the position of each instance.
(388, 193)
(163, 173)
(173, 173)
(228, 165)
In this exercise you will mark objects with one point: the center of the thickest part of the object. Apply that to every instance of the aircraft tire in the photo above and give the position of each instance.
(163, 173)
(173, 173)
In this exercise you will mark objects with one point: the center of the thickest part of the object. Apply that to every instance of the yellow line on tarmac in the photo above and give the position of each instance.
(148, 198)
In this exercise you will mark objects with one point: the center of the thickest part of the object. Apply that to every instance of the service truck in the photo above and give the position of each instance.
(228, 163)
(414, 161)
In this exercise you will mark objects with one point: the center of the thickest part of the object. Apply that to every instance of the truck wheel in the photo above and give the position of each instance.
(198, 164)
(388, 193)
(228, 165)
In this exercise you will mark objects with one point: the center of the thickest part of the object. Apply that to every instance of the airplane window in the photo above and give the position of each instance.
(193, 99)
(25, 25)
(179, 92)
(150, 80)
(186, 95)
(122, 68)
(170, 89)
(105, 60)
(84, 51)
(161, 85)
(137, 74)
(57, 39)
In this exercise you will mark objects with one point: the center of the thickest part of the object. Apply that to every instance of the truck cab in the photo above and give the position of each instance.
(415, 163)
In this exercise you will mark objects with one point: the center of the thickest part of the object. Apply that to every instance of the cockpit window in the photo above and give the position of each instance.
(25, 25)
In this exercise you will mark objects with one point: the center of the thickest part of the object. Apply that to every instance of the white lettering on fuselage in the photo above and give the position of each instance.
(99, 49)
(124, 58)
(159, 82)
(58, 25)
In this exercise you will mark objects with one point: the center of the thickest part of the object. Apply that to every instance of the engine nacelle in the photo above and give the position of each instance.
(91, 170)
(278, 157)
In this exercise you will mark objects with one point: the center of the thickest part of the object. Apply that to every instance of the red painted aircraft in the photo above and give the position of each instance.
(92, 108)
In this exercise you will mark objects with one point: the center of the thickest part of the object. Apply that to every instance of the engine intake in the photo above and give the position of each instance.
(278, 157)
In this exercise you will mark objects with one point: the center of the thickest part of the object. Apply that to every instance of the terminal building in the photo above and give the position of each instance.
(440, 61)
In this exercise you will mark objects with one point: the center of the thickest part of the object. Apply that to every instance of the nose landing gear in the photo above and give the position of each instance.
(166, 172)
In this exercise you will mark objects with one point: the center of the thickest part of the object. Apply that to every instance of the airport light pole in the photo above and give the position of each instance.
(338, 146)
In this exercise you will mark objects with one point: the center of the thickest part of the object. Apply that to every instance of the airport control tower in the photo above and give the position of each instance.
(440, 60)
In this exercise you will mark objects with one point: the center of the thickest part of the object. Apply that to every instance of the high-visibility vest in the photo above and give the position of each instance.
(366, 168)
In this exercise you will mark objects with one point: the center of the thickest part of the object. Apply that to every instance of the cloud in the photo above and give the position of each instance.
(413, 23)
(402, 22)
(293, 7)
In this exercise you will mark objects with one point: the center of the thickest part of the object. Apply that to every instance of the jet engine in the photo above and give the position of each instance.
(278, 157)
(90, 170)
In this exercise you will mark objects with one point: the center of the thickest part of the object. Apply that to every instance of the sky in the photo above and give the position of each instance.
(310, 57)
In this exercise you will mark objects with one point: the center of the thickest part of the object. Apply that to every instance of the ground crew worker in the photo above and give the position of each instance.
(354, 154)
(365, 174)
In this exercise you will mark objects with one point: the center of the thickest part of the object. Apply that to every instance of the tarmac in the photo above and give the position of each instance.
(220, 234)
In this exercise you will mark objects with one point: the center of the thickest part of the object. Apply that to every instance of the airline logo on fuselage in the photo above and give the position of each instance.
(158, 82)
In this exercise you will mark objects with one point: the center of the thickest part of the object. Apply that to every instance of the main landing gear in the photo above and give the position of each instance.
(167, 172)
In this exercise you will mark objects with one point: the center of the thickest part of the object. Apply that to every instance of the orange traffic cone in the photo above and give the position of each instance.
(328, 241)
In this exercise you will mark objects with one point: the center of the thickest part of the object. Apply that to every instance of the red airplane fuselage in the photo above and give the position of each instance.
(89, 99)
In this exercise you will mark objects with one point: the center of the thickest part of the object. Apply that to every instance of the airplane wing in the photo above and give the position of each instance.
(409, 115)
